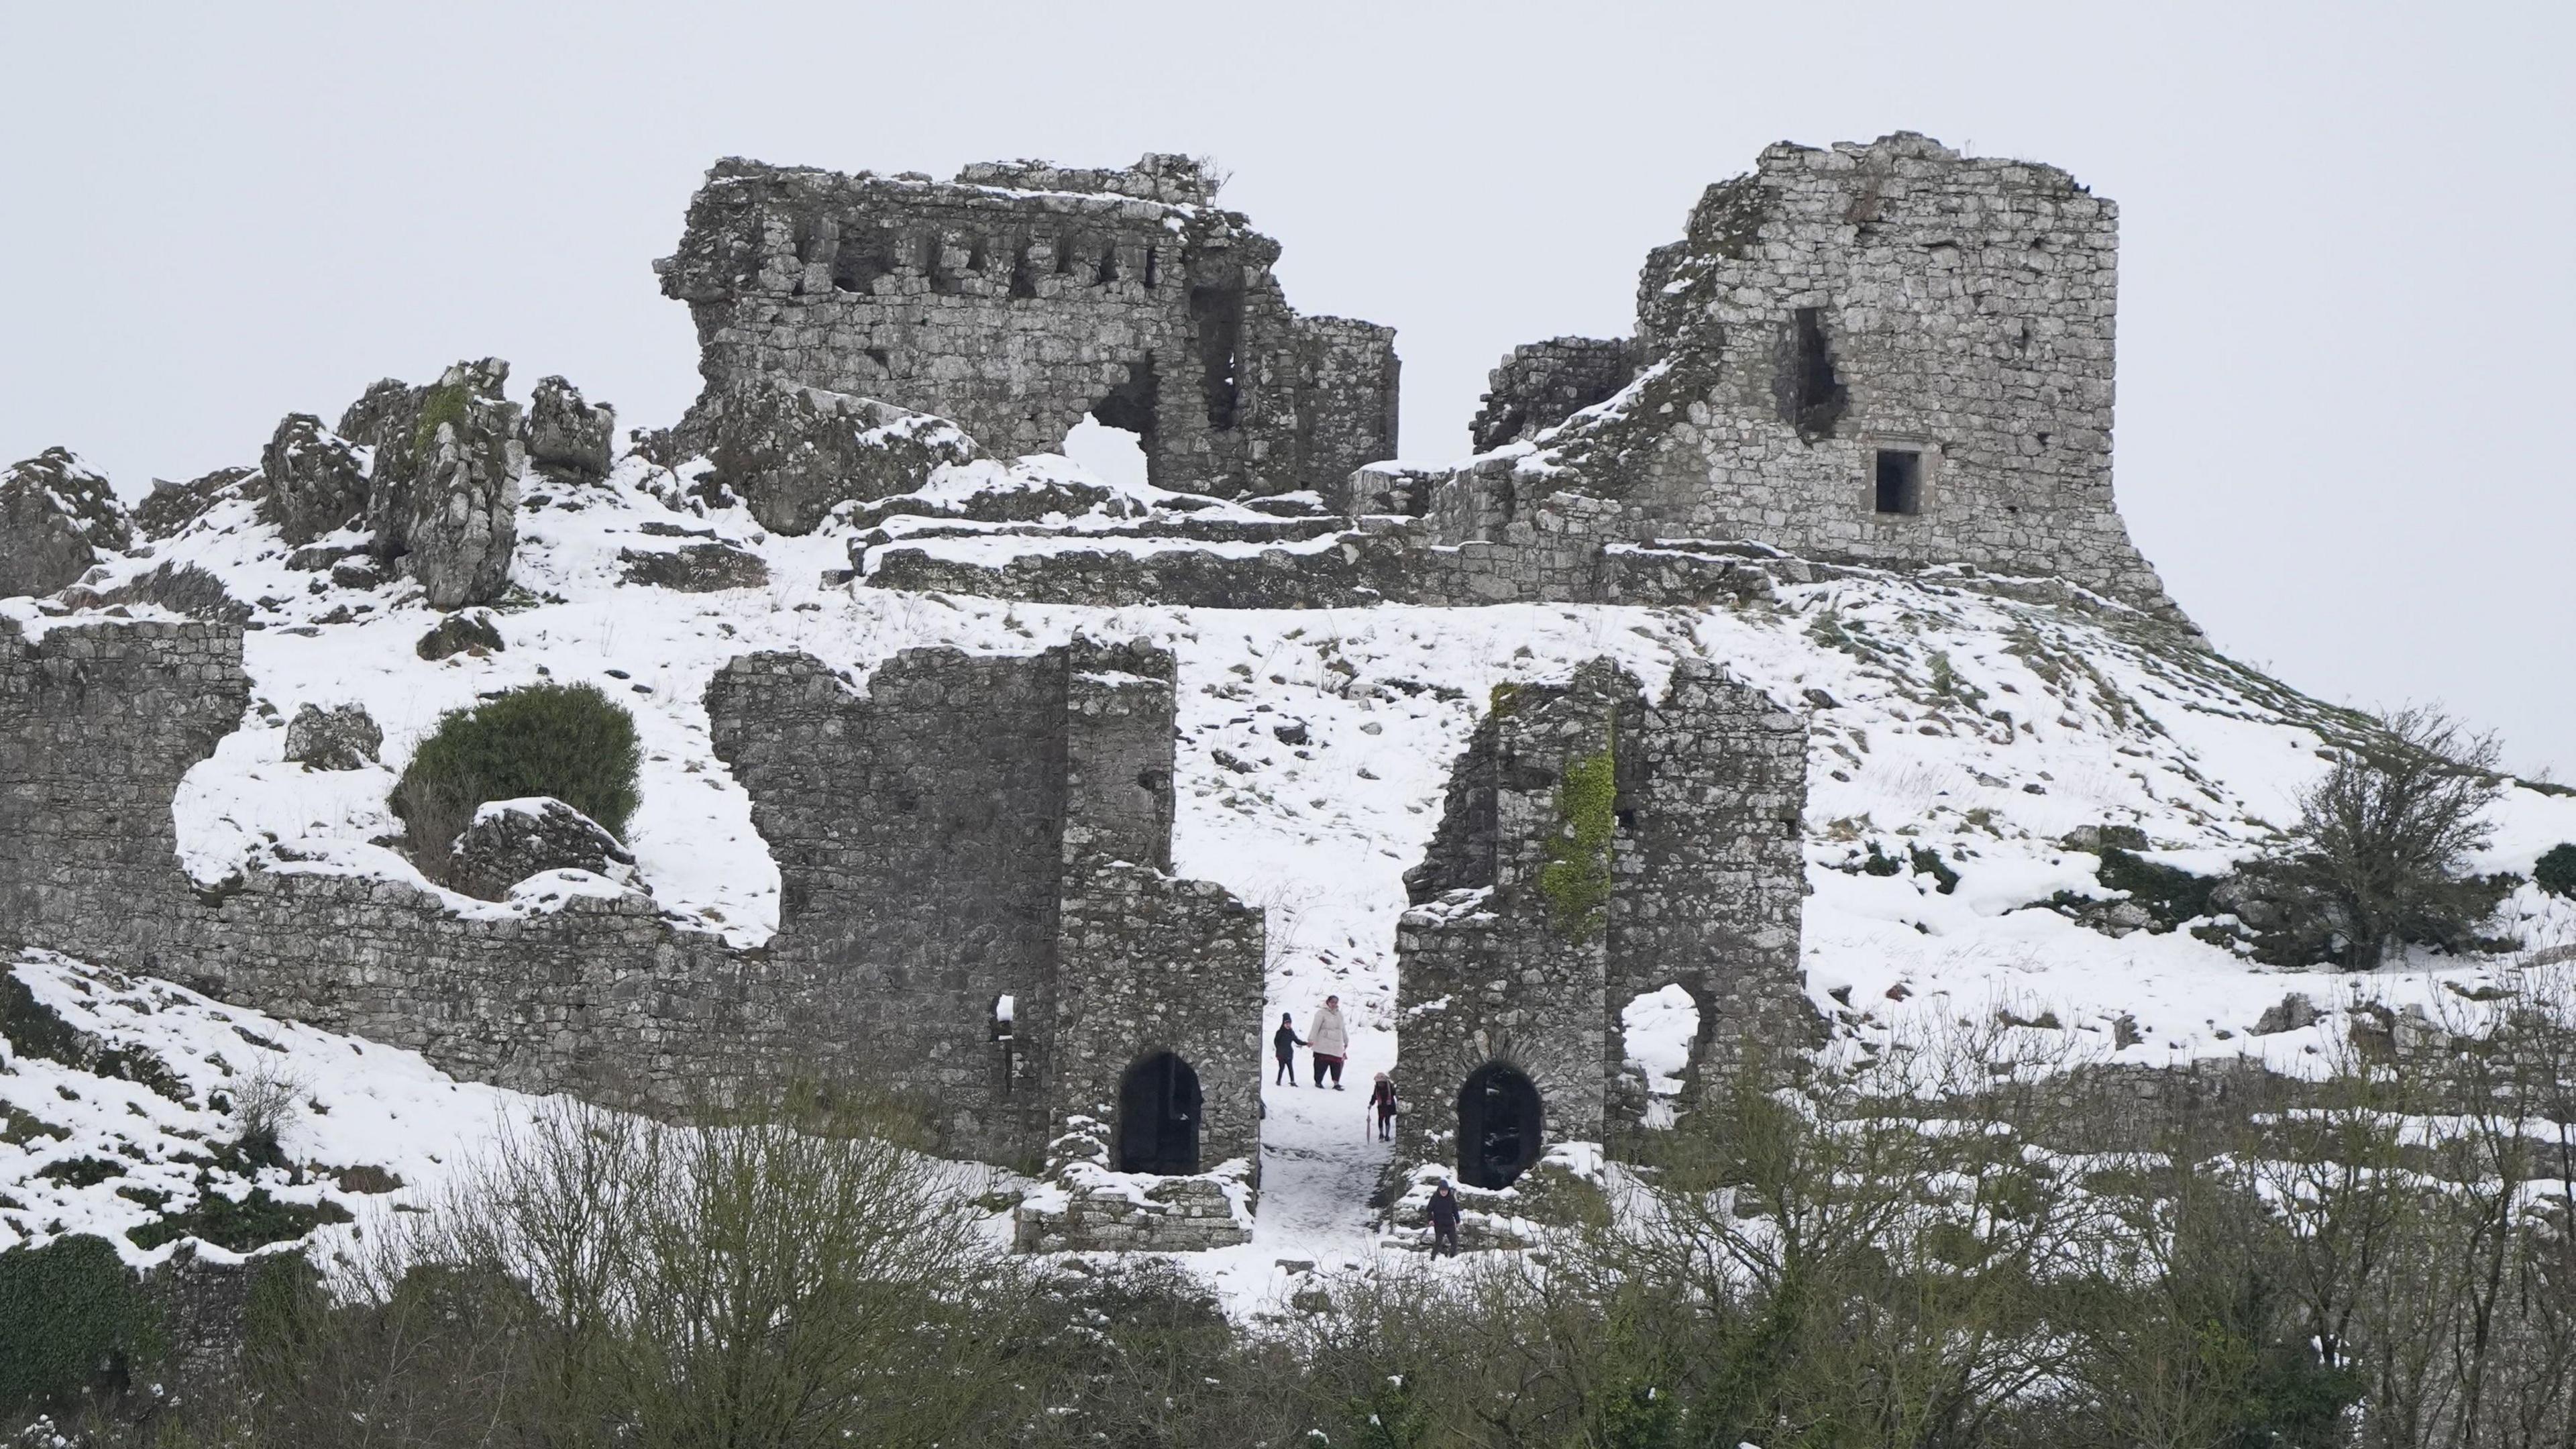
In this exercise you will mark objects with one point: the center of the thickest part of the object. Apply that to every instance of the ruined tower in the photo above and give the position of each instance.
(1020, 298)
(1887, 354)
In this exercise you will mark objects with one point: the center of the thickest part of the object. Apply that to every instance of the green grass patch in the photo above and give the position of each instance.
(1576, 879)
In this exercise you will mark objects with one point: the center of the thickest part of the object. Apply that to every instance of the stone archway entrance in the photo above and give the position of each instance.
(1158, 1117)
(1499, 1126)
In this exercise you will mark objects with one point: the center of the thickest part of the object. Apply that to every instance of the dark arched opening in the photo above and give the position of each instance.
(1158, 1117)
(1498, 1126)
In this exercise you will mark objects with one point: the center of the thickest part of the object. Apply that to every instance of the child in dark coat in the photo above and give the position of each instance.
(1285, 1042)
(1444, 1221)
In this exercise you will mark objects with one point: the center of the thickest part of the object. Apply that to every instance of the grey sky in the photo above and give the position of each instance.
(2348, 265)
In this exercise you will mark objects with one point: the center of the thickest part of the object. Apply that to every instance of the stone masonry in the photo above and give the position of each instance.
(969, 829)
(1017, 299)
(1595, 846)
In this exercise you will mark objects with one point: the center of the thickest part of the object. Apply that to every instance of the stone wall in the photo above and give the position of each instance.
(1833, 304)
(943, 840)
(1558, 551)
(1019, 298)
(1541, 384)
(1534, 924)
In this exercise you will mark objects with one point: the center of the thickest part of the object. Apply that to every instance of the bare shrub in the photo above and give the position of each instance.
(781, 1277)
(265, 1104)
(2379, 857)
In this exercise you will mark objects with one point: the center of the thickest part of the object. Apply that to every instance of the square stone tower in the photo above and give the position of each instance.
(1887, 354)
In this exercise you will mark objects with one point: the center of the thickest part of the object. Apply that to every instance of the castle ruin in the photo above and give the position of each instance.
(1882, 356)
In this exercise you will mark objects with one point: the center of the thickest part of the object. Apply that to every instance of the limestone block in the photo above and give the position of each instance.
(341, 738)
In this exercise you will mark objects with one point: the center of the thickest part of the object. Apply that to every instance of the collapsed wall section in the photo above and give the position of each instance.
(1596, 845)
(950, 844)
(1018, 299)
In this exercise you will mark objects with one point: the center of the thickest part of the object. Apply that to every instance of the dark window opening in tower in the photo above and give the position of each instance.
(1158, 1117)
(1810, 395)
(1499, 1126)
(1218, 312)
(1899, 476)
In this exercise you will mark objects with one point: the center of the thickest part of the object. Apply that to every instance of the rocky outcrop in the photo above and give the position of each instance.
(394, 419)
(511, 840)
(341, 738)
(465, 501)
(180, 588)
(792, 454)
(57, 518)
(317, 481)
(567, 438)
(171, 507)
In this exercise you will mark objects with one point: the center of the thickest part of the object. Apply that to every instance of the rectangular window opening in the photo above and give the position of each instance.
(1900, 481)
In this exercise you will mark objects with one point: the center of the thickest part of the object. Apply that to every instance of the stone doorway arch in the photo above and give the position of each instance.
(1158, 1117)
(1500, 1125)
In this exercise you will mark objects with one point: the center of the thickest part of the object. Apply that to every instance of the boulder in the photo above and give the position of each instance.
(317, 480)
(341, 738)
(567, 438)
(57, 518)
(2293, 1012)
(794, 453)
(465, 498)
(472, 634)
(699, 568)
(511, 840)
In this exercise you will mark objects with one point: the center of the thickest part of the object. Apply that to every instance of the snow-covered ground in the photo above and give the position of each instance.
(1974, 726)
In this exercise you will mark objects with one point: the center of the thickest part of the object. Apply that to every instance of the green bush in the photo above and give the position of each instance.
(71, 1316)
(2556, 872)
(568, 741)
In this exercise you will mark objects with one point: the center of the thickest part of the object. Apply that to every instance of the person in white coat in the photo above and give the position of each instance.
(1330, 1042)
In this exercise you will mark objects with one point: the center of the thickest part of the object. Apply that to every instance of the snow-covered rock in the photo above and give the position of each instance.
(340, 738)
(57, 519)
(511, 840)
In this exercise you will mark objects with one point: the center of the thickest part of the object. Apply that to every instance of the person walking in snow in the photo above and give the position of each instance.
(1285, 1042)
(1444, 1221)
(1382, 1101)
(1329, 1040)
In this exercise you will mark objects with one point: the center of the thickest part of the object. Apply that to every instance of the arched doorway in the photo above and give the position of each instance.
(1158, 1117)
(1498, 1126)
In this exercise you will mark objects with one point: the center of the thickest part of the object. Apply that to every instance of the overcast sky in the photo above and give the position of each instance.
(2348, 261)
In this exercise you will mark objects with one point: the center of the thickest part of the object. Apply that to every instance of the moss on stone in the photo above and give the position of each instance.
(446, 403)
(1576, 879)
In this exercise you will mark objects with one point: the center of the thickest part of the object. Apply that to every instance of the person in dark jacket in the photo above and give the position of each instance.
(1444, 1221)
(1285, 1042)
(1382, 1102)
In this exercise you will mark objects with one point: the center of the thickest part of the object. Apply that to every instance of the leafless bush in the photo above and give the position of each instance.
(2379, 857)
